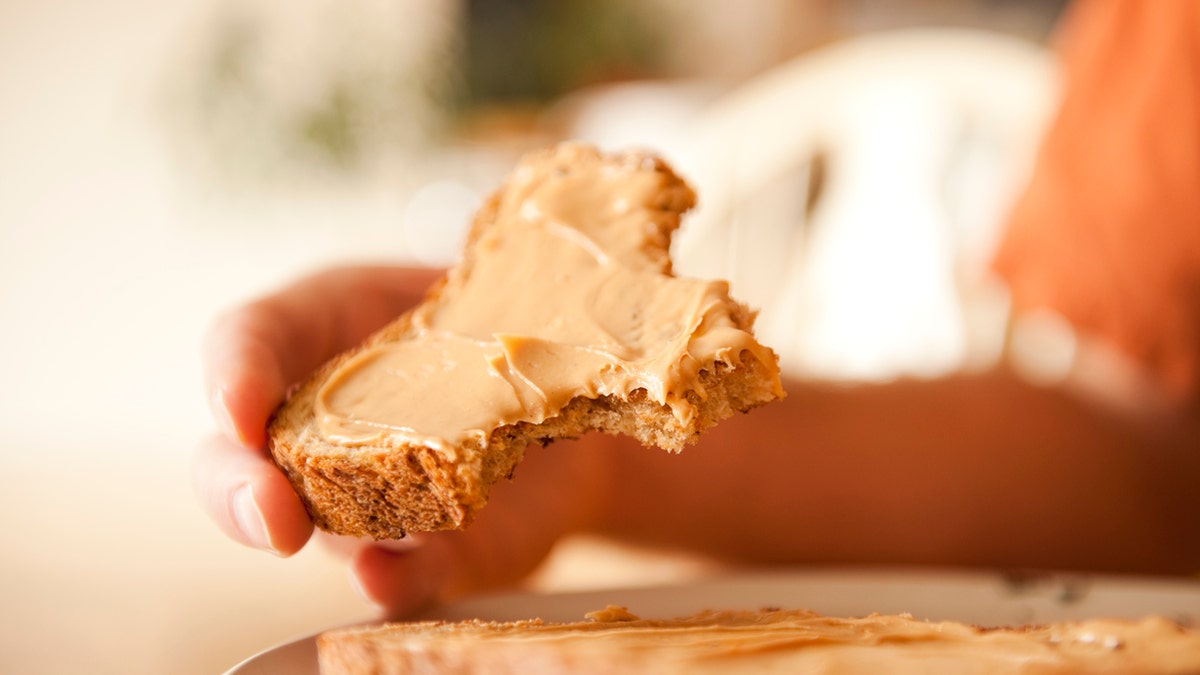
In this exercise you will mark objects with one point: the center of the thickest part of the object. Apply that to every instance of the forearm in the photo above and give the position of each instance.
(980, 470)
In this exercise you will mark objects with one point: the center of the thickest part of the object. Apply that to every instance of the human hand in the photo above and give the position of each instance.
(253, 353)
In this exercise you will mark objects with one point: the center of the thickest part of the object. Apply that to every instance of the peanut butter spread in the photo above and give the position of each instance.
(568, 293)
(800, 641)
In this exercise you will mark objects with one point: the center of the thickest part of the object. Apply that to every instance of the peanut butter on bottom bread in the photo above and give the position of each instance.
(766, 641)
(562, 317)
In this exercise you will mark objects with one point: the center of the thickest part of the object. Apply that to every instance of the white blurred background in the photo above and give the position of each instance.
(159, 161)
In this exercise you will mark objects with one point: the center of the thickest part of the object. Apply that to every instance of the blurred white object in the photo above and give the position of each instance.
(435, 221)
(927, 135)
(655, 116)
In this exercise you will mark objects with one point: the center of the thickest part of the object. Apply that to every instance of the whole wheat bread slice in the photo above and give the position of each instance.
(387, 489)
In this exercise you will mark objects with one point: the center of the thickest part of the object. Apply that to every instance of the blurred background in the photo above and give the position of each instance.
(160, 161)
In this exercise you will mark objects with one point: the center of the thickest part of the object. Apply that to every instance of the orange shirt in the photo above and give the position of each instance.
(1107, 233)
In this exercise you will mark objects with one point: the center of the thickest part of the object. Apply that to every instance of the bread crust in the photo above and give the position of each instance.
(384, 491)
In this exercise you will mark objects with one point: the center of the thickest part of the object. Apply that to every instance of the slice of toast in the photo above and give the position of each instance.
(758, 641)
(562, 317)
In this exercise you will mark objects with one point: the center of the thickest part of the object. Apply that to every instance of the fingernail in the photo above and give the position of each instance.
(249, 519)
(224, 419)
(360, 590)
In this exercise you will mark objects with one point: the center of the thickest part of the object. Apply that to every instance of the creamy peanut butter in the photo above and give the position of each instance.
(566, 296)
(802, 642)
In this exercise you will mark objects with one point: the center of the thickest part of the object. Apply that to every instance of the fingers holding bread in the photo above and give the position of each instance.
(559, 491)
(247, 496)
(251, 355)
